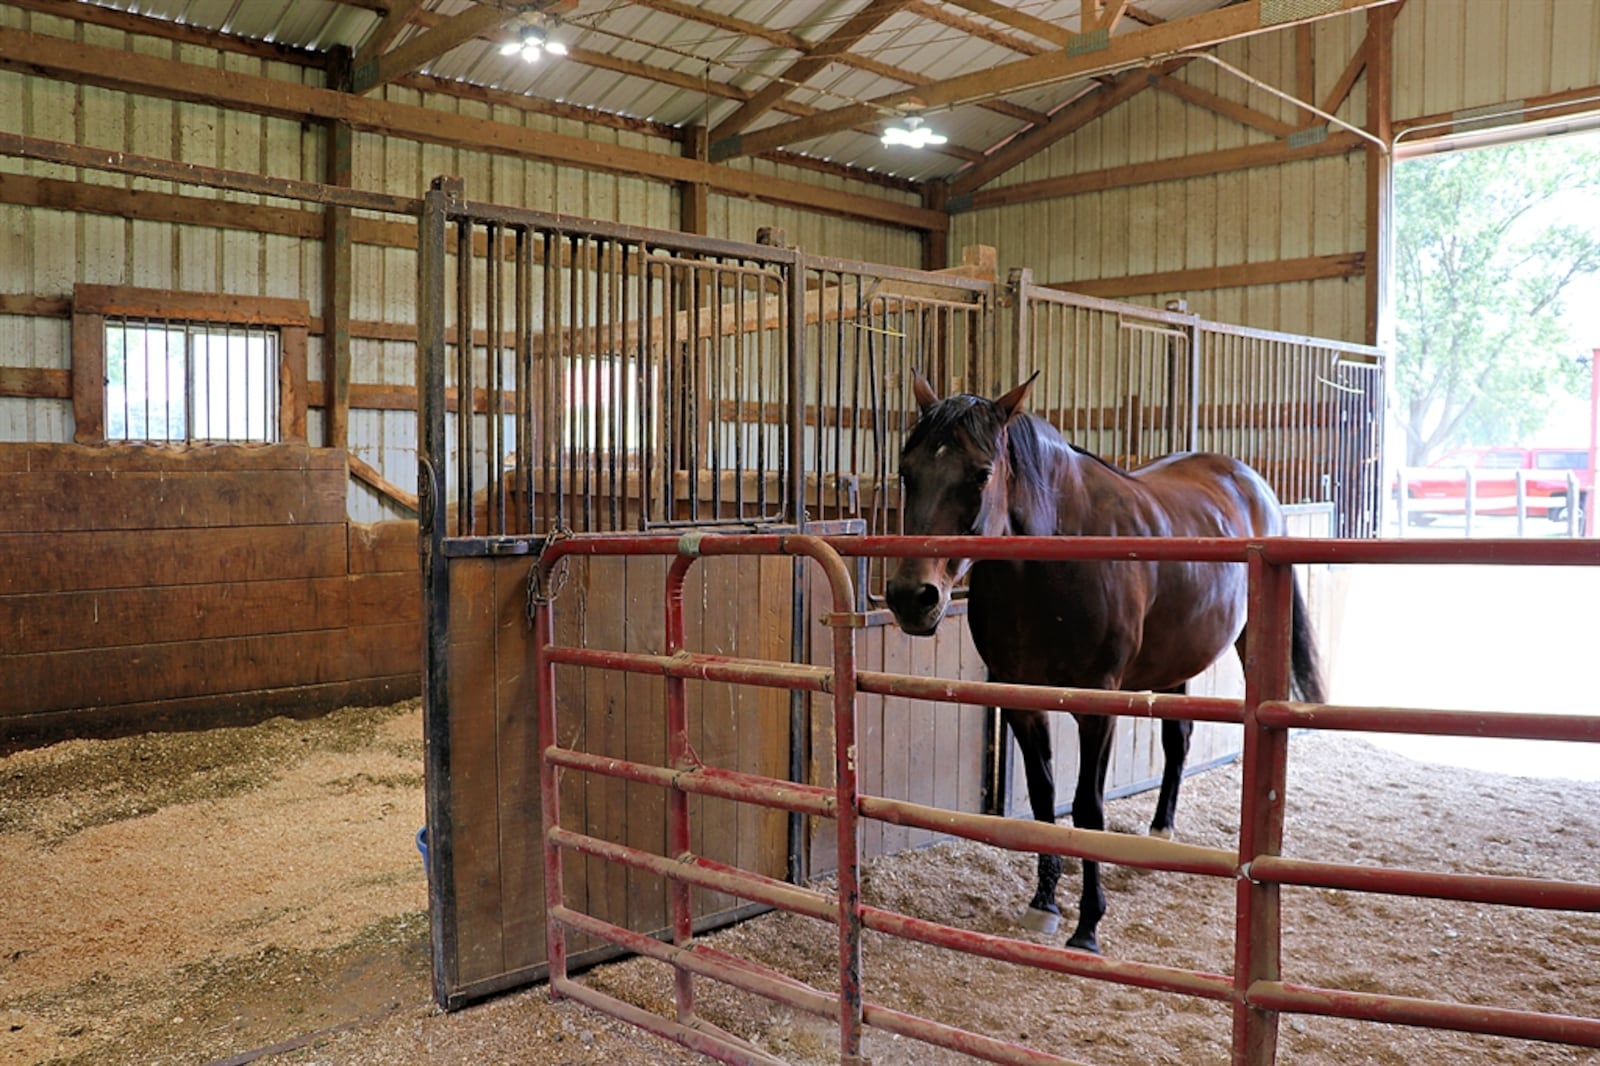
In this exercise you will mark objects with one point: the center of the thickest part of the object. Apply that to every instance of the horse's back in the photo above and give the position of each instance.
(1208, 494)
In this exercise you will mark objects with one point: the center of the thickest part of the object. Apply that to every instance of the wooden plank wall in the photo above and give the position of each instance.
(154, 588)
(732, 607)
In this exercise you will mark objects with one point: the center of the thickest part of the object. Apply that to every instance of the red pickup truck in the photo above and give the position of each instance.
(1441, 486)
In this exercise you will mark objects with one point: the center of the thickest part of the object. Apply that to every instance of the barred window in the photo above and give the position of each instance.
(190, 381)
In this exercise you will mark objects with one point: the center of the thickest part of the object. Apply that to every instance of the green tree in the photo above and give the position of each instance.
(1487, 242)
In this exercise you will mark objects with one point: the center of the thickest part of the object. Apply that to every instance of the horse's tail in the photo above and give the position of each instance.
(1304, 661)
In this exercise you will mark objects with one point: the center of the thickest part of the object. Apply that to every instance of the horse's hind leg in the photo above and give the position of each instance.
(1089, 812)
(1175, 751)
(1032, 730)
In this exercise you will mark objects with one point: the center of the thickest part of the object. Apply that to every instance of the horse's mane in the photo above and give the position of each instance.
(1032, 439)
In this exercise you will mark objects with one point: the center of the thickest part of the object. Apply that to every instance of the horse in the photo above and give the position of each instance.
(972, 465)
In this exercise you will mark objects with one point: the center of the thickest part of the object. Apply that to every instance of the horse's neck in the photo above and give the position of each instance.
(1078, 495)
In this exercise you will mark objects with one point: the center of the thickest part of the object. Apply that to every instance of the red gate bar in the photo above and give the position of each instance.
(1256, 990)
(1497, 725)
(1467, 888)
(1431, 1014)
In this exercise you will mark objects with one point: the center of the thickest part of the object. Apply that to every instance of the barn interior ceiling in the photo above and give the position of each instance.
(810, 82)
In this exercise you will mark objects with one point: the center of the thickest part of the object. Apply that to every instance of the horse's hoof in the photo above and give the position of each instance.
(1039, 921)
(1161, 834)
(1080, 942)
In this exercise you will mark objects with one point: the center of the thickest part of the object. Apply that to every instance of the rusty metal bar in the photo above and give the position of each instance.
(704, 781)
(1432, 1014)
(1501, 725)
(1258, 932)
(681, 757)
(1469, 888)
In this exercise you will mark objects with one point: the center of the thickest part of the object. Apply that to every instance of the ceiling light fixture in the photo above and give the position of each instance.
(912, 134)
(532, 42)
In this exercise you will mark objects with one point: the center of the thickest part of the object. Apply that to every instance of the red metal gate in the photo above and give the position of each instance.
(1257, 992)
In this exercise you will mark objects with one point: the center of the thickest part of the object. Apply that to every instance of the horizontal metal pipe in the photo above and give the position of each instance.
(1427, 1013)
(1470, 888)
(705, 781)
(703, 874)
(1213, 986)
(1041, 698)
(1025, 834)
(1274, 550)
(744, 974)
(704, 961)
(1499, 725)
(690, 1036)
(986, 1048)
(695, 667)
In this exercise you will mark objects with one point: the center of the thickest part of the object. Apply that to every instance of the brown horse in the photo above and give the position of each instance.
(977, 466)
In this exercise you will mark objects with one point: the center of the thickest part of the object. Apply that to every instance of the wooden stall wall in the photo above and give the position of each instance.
(157, 588)
(732, 607)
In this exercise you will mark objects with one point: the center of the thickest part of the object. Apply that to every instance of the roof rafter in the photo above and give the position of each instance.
(819, 56)
(1076, 115)
(425, 47)
(1197, 31)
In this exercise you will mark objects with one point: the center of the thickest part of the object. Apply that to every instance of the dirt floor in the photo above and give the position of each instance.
(255, 895)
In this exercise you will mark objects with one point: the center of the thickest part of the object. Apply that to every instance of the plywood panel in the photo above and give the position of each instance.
(474, 771)
(516, 743)
(644, 739)
(100, 677)
(121, 559)
(108, 618)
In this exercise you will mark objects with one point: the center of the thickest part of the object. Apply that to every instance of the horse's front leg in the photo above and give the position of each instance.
(1175, 751)
(1089, 812)
(1032, 730)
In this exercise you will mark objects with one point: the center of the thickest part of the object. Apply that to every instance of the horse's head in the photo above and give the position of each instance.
(954, 480)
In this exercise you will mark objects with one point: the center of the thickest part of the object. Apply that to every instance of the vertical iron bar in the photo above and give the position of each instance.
(433, 462)
(794, 460)
(494, 370)
(464, 378)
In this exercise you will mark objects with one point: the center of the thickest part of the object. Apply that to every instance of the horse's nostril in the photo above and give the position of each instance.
(927, 597)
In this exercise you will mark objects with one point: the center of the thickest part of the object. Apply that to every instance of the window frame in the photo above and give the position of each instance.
(93, 304)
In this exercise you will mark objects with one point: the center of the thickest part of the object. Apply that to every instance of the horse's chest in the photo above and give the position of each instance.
(1040, 625)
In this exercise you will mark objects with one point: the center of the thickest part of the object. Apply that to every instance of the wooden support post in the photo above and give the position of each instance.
(936, 242)
(336, 271)
(1380, 169)
(692, 213)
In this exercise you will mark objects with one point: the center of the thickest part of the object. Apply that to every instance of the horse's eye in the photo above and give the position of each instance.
(980, 476)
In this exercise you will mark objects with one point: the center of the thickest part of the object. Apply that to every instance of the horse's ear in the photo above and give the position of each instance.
(1011, 402)
(922, 391)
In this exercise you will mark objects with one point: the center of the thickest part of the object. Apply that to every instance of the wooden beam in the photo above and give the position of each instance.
(1067, 121)
(1305, 70)
(384, 33)
(1221, 105)
(35, 383)
(1309, 268)
(368, 475)
(426, 47)
(1043, 29)
(336, 265)
(55, 57)
(1198, 31)
(693, 210)
(1347, 81)
(168, 30)
(1275, 153)
(848, 33)
(1380, 201)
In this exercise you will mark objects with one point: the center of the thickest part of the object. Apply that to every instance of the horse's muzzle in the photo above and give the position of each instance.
(918, 606)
